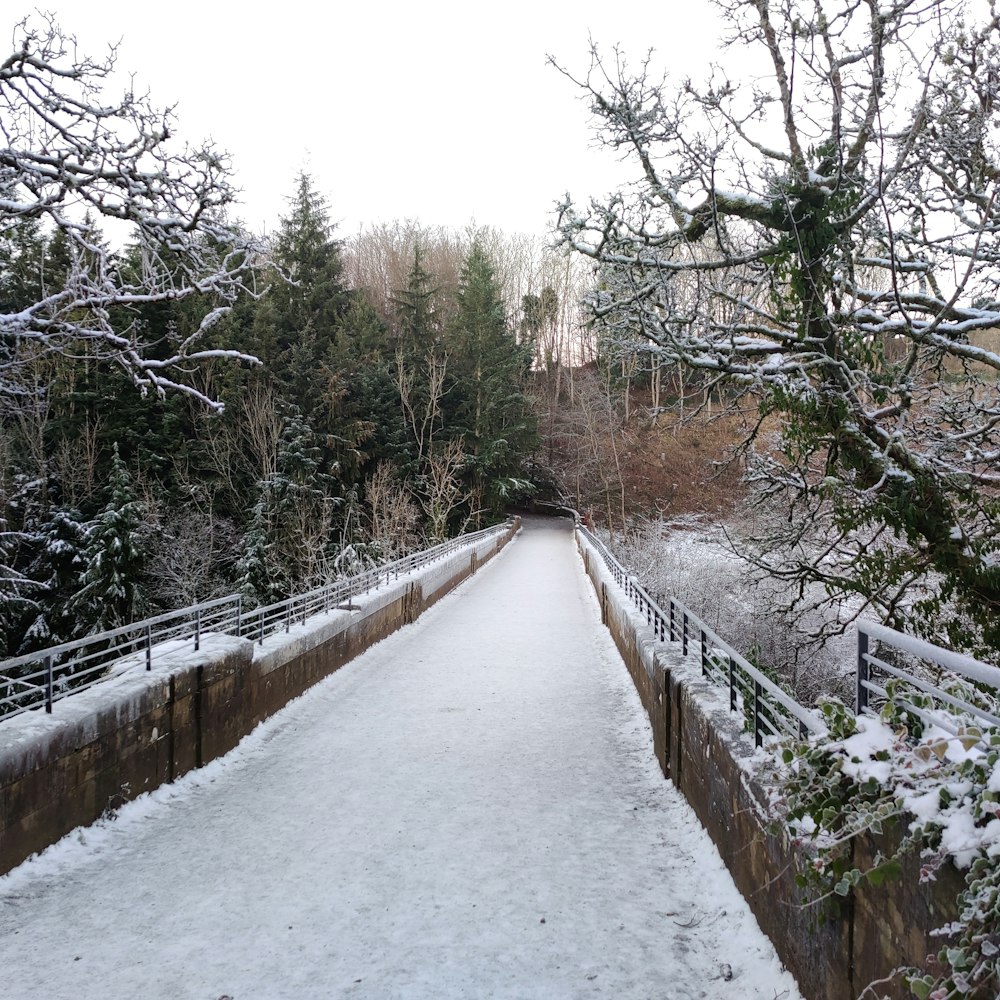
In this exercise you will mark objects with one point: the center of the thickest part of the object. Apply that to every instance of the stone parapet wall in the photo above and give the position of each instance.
(702, 747)
(138, 729)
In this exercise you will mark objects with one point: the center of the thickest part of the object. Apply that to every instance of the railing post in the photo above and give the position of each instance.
(684, 634)
(672, 629)
(288, 617)
(732, 684)
(239, 616)
(863, 669)
(197, 629)
(149, 648)
(261, 631)
(758, 737)
(704, 653)
(48, 684)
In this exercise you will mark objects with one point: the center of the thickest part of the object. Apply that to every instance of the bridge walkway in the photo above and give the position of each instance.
(470, 809)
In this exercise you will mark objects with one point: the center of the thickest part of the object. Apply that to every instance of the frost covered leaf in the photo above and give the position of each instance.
(921, 988)
(969, 737)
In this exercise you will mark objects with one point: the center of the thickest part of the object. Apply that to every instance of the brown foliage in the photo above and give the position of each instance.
(617, 468)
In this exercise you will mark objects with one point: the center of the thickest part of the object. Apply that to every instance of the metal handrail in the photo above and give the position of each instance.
(952, 708)
(75, 666)
(769, 710)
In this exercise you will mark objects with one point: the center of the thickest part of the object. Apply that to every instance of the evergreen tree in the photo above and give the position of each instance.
(22, 251)
(58, 569)
(298, 333)
(487, 376)
(258, 575)
(17, 592)
(306, 300)
(417, 325)
(114, 554)
(286, 542)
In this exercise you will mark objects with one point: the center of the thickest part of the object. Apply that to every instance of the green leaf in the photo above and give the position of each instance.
(957, 958)
(920, 988)
(887, 870)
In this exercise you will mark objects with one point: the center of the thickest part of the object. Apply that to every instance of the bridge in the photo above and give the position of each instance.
(471, 808)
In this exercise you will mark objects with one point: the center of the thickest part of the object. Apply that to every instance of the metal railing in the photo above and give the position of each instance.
(768, 710)
(945, 689)
(42, 678)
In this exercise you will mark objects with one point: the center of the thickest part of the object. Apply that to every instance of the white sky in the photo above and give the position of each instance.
(441, 111)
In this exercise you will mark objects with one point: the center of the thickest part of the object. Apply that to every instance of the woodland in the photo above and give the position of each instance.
(190, 411)
(782, 327)
(767, 370)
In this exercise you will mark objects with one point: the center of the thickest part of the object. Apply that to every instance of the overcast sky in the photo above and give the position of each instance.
(440, 111)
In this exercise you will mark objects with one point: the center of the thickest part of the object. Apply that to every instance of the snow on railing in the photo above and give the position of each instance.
(940, 696)
(41, 678)
(769, 711)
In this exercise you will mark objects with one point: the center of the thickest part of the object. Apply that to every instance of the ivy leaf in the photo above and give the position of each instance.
(887, 870)
(969, 737)
(956, 958)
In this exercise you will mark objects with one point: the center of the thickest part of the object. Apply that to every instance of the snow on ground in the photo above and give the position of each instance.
(470, 809)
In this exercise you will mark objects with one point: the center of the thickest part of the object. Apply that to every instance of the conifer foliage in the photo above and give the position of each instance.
(488, 376)
(267, 478)
(114, 555)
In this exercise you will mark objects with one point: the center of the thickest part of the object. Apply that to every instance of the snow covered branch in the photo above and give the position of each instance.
(74, 156)
(826, 233)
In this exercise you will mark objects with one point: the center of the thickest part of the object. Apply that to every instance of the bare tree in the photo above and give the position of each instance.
(76, 461)
(824, 235)
(420, 394)
(441, 490)
(75, 155)
(378, 260)
(393, 516)
(189, 550)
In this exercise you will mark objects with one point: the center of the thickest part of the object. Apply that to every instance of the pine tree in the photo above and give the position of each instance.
(18, 592)
(488, 371)
(58, 569)
(258, 576)
(112, 594)
(299, 329)
(22, 250)
(307, 298)
(288, 534)
(417, 325)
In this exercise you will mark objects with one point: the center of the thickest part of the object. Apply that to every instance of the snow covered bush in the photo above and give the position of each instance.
(941, 792)
(695, 563)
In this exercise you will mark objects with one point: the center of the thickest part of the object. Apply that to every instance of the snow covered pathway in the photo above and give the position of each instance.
(470, 809)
